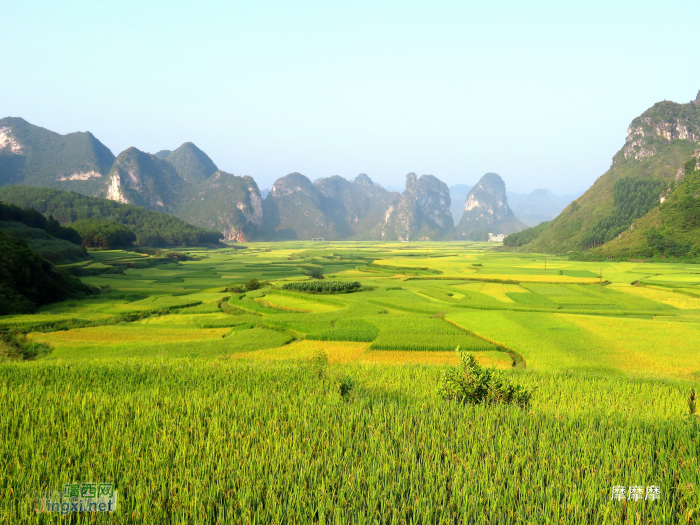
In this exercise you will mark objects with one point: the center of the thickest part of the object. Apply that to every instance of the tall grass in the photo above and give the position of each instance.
(190, 441)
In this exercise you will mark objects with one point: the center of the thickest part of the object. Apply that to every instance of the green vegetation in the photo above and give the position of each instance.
(32, 218)
(477, 385)
(104, 234)
(526, 236)
(315, 272)
(15, 345)
(323, 286)
(54, 250)
(477, 235)
(633, 198)
(191, 163)
(648, 163)
(151, 228)
(272, 405)
(27, 280)
(392, 452)
(668, 231)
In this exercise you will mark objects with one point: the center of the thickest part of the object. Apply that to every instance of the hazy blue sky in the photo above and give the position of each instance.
(540, 92)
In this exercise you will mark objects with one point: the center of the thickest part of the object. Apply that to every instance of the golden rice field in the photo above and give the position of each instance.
(207, 405)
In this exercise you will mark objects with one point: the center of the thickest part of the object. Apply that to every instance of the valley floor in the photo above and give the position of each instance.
(208, 406)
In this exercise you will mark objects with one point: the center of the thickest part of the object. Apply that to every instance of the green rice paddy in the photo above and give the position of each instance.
(204, 407)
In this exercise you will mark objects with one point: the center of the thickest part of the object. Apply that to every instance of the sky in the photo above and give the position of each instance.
(539, 92)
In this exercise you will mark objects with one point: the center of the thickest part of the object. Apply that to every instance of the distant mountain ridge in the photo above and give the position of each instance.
(186, 183)
(538, 206)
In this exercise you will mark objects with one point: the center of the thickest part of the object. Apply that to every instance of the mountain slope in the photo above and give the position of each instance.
(296, 209)
(423, 211)
(144, 180)
(190, 163)
(225, 203)
(360, 206)
(658, 144)
(486, 208)
(670, 229)
(35, 156)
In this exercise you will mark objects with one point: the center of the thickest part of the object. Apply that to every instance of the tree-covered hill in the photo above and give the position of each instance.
(422, 211)
(659, 142)
(45, 236)
(670, 230)
(27, 280)
(151, 228)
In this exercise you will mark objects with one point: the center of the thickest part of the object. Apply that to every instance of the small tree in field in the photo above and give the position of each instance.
(315, 272)
(475, 385)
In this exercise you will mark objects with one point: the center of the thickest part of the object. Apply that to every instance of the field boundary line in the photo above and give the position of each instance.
(518, 360)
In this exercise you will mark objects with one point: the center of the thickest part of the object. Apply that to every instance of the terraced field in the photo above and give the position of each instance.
(177, 354)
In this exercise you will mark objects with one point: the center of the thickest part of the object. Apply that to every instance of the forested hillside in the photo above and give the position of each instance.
(659, 142)
(670, 230)
(151, 228)
(27, 280)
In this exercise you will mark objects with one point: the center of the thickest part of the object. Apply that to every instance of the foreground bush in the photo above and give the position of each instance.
(476, 385)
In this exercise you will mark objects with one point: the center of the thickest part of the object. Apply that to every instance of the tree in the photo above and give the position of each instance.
(104, 234)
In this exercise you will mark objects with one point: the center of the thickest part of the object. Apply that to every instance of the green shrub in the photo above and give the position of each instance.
(345, 385)
(15, 345)
(476, 385)
(315, 272)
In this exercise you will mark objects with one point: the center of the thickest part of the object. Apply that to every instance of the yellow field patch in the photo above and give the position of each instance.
(454, 265)
(497, 291)
(383, 357)
(660, 296)
(666, 348)
(472, 287)
(347, 352)
(299, 304)
(126, 332)
(338, 352)
(535, 278)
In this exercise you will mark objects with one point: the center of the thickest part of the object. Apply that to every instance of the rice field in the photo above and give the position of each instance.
(207, 406)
